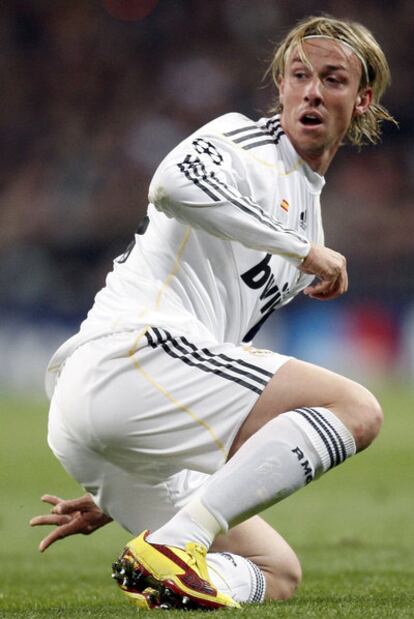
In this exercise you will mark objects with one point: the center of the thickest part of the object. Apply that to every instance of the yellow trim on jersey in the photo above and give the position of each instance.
(178, 405)
(175, 268)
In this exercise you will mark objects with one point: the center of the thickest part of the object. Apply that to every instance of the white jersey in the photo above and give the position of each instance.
(233, 210)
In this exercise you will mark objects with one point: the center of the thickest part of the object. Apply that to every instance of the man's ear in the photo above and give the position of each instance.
(363, 101)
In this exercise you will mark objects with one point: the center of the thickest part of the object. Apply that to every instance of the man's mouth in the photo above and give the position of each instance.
(310, 120)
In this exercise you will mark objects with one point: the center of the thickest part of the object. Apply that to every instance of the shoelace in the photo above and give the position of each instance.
(197, 554)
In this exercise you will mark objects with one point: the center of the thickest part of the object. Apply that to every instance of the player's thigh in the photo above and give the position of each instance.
(132, 501)
(299, 384)
(256, 540)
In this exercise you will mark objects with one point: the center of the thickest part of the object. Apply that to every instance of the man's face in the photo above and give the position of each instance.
(319, 100)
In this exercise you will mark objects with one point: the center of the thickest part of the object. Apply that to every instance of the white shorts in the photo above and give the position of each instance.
(142, 420)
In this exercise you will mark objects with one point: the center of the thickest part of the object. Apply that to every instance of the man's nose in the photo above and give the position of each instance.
(313, 91)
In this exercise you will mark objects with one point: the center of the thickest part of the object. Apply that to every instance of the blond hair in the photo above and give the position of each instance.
(375, 73)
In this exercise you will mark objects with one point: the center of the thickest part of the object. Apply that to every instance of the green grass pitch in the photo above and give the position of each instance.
(353, 530)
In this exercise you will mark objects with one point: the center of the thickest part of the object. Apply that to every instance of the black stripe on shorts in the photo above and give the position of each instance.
(238, 371)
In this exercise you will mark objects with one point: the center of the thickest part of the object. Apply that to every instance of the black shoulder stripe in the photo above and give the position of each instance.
(249, 136)
(260, 143)
(273, 134)
(270, 134)
(240, 130)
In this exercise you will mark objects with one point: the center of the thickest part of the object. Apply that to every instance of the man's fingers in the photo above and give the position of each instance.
(74, 505)
(60, 506)
(63, 506)
(319, 288)
(56, 519)
(325, 291)
(345, 281)
(54, 536)
(329, 287)
(51, 499)
(61, 532)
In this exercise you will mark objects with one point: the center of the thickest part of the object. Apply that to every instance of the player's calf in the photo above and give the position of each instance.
(256, 540)
(283, 577)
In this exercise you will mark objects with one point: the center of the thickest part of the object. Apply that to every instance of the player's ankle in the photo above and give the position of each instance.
(192, 524)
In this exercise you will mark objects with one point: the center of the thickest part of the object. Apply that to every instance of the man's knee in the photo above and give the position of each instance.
(365, 417)
(284, 579)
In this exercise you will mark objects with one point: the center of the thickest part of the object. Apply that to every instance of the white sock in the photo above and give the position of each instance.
(236, 576)
(286, 454)
(193, 517)
(283, 456)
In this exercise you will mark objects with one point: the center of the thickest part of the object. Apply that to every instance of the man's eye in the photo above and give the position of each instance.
(334, 81)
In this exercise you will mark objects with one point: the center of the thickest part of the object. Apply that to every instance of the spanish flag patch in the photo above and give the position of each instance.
(284, 205)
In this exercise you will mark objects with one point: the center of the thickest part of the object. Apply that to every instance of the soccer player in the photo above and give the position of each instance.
(161, 408)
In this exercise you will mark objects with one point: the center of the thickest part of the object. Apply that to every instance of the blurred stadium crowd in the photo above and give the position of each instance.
(92, 103)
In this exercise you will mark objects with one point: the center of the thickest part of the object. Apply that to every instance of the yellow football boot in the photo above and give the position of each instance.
(159, 576)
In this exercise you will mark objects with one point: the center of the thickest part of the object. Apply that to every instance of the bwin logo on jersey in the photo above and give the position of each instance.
(261, 276)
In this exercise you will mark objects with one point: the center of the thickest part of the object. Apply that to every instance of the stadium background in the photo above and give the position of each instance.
(91, 103)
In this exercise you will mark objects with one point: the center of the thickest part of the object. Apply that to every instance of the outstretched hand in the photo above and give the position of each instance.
(73, 516)
(329, 267)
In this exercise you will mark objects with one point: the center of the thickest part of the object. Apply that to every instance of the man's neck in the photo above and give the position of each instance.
(318, 160)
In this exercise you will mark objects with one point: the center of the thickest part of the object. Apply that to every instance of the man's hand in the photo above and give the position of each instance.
(330, 268)
(80, 515)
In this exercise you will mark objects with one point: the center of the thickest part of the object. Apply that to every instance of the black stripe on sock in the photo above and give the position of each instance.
(310, 419)
(339, 440)
(258, 593)
(327, 429)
